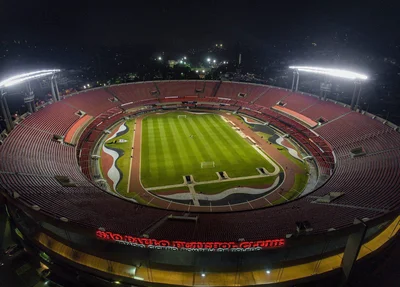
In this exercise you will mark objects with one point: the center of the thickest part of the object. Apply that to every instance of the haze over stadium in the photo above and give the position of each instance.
(172, 144)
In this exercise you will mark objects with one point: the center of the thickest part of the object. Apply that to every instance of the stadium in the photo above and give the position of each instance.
(195, 183)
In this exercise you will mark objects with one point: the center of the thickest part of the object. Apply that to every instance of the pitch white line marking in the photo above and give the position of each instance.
(130, 165)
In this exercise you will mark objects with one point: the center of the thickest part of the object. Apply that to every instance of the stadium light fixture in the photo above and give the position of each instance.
(331, 72)
(268, 272)
(14, 80)
(203, 275)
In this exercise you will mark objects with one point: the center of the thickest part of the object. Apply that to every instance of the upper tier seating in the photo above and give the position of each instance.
(208, 88)
(351, 127)
(127, 93)
(325, 110)
(33, 151)
(55, 119)
(272, 97)
(232, 91)
(299, 102)
(370, 181)
(92, 102)
(175, 88)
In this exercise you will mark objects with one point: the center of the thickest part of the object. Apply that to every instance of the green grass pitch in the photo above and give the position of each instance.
(175, 146)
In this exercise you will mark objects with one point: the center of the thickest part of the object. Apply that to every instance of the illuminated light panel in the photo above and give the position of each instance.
(191, 246)
(25, 77)
(331, 72)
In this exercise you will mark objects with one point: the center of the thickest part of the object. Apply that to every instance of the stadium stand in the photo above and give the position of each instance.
(325, 110)
(85, 103)
(299, 102)
(177, 88)
(29, 160)
(301, 118)
(134, 92)
(350, 127)
(56, 119)
(272, 97)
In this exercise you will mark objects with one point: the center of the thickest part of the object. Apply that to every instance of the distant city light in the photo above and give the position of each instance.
(220, 45)
(331, 72)
(26, 77)
(184, 58)
(197, 71)
(181, 61)
(159, 58)
(208, 59)
(216, 45)
(88, 85)
(184, 63)
(214, 61)
(84, 86)
(203, 71)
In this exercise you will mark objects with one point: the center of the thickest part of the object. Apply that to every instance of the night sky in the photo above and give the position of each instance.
(188, 24)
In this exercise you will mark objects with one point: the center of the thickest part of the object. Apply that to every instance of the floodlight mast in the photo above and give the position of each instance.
(356, 77)
(54, 88)
(29, 96)
(5, 111)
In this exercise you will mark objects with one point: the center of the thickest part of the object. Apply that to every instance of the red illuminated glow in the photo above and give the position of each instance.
(191, 246)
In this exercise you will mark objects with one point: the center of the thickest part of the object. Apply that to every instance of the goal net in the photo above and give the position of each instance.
(181, 116)
(207, 164)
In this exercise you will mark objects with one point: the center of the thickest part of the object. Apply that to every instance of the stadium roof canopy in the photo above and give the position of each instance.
(331, 72)
(26, 77)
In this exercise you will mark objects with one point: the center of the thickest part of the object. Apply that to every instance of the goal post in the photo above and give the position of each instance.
(181, 116)
(207, 164)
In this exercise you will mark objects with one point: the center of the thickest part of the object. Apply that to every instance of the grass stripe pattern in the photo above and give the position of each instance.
(173, 147)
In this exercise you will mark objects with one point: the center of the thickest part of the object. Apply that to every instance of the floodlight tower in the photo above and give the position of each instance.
(325, 89)
(28, 95)
(54, 88)
(355, 99)
(357, 78)
(5, 111)
(295, 82)
(29, 98)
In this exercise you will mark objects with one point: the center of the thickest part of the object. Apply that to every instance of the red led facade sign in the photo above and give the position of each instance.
(191, 246)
